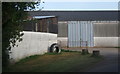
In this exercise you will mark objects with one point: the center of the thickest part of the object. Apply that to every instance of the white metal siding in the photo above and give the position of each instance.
(80, 30)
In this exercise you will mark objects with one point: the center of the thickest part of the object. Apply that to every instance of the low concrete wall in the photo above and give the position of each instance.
(63, 41)
(106, 41)
(33, 43)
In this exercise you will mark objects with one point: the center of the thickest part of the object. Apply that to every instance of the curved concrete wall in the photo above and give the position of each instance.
(106, 41)
(33, 43)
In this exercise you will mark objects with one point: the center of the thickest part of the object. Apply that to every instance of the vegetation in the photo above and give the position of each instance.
(12, 17)
(63, 50)
(117, 47)
(62, 62)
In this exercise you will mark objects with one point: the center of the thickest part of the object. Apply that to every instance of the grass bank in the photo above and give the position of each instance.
(49, 62)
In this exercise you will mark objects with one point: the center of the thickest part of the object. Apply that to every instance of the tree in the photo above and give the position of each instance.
(13, 14)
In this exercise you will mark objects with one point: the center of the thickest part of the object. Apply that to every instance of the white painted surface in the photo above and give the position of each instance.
(42, 17)
(106, 41)
(63, 41)
(33, 43)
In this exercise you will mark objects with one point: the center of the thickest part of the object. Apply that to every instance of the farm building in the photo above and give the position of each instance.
(81, 28)
(47, 24)
(40, 33)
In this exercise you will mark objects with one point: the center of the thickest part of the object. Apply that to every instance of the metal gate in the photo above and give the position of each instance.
(80, 34)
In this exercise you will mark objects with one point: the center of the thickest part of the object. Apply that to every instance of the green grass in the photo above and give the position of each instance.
(63, 50)
(52, 62)
(117, 47)
(28, 59)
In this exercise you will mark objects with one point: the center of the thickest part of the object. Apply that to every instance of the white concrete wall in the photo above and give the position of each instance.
(33, 43)
(63, 41)
(106, 41)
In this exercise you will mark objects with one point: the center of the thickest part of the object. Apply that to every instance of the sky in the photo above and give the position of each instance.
(78, 5)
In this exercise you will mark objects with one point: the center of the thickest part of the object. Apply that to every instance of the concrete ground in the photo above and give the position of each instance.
(110, 62)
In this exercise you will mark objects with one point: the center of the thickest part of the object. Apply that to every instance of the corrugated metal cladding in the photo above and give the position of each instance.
(80, 32)
(62, 29)
(106, 29)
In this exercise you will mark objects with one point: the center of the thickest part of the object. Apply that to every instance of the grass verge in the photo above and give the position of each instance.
(52, 62)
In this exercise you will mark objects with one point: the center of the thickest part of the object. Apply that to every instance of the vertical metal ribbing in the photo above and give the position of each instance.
(77, 29)
(92, 34)
(80, 33)
(84, 33)
(75, 32)
(89, 35)
(68, 34)
(80, 30)
(71, 34)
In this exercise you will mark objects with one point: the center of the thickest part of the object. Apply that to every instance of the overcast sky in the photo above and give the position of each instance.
(79, 5)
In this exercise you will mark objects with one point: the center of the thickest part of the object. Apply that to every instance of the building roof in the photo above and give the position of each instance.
(79, 15)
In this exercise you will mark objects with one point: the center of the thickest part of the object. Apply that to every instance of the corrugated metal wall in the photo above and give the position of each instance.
(62, 29)
(105, 29)
(106, 34)
(79, 32)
